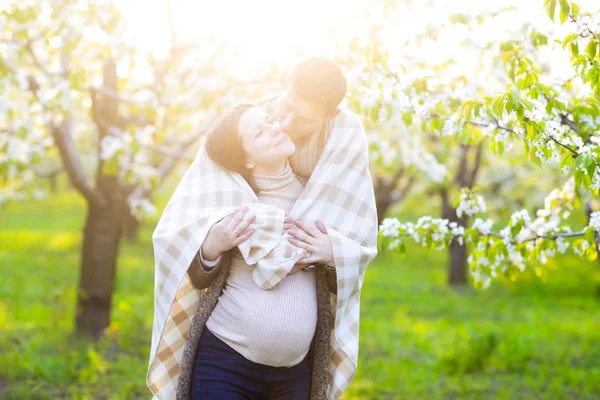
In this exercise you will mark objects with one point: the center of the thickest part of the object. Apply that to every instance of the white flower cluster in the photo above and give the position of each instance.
(587, 26)
(595, 221)
(589, 120)
(537, 114)
(470, 204)
(595, 179)
(141, 208)
(452, 126)
(484, 227)
(553, 129)
(109, 146)
(390, 227)
(581, 248)
(562, 245)
(522, 215)
(442, 231)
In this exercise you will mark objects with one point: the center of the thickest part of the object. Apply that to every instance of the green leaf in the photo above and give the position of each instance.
(575, 10)
(566, 160)
(575, 48)
(498, 106)
(586, 179)
(565, 11)
(591, 253)
(111, 166)
(550, 6)
(500, 147)
(407, 118)
(589, 234)
(591, 49)
(569, 38)
(531, 130)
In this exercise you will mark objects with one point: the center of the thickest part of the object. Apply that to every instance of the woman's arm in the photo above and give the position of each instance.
(224, 235)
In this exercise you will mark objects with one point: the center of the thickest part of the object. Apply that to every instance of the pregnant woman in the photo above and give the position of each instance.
(249, 304)
(255, 343)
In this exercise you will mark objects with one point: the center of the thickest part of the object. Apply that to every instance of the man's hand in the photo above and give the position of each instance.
(227, 233)
(315, 241)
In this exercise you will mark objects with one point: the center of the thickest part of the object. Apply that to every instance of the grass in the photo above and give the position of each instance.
(419, 339)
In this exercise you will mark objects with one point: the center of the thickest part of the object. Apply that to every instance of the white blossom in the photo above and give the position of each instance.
(390, 227)
(109, 146)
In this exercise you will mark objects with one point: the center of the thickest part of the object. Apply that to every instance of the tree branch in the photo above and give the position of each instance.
(70, 157)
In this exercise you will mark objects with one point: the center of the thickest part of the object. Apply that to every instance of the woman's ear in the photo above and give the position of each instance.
(249, 164)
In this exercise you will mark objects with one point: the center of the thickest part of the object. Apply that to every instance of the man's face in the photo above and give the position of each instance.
(298, 118)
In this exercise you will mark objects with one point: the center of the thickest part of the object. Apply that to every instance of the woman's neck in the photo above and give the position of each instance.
(273, 169)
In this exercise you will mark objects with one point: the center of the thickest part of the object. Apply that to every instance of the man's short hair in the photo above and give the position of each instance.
(319, 81)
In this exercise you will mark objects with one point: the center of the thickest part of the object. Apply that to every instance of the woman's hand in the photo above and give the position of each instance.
(228, 233)
(315, 241)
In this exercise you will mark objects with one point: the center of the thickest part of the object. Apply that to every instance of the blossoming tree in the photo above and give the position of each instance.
(74, 90)
(555, 115)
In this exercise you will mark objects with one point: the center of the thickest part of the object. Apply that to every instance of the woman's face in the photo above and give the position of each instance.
(263, 140)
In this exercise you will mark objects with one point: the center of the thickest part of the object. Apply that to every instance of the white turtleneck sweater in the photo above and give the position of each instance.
(273, 327)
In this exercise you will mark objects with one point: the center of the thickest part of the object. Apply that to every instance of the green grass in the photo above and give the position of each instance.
(419, 339)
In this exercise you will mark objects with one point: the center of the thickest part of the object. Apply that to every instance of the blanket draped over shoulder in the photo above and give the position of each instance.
(339, 193)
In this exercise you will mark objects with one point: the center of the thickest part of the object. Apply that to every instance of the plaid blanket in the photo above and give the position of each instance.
(339, 193)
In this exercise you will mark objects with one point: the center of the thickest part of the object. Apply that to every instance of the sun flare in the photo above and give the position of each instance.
(265, 31)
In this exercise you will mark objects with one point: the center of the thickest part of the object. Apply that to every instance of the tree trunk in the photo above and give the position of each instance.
(100, 249)
(457, 260)
(383, 201)
(457, 267)
(131, 228)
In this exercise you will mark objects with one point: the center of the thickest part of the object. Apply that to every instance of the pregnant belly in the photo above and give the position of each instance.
(275, 325)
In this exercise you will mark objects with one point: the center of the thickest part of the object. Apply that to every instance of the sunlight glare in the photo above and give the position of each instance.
(265, 31)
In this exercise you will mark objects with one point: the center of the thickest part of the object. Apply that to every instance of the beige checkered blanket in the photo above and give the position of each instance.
(339, 193)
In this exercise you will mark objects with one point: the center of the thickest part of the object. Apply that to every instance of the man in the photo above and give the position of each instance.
(306, 110)
(307, 107)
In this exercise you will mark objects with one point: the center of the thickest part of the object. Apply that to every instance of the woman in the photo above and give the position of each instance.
(254, 343)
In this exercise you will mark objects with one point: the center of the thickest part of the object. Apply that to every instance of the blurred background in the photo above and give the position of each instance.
(104, 103)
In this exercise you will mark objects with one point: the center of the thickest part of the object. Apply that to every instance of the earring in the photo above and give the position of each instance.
(249, 165)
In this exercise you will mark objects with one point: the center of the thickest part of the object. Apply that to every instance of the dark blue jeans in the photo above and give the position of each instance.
(221, 373)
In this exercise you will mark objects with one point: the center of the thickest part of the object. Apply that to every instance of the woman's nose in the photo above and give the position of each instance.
(276, 128)
(287, 122)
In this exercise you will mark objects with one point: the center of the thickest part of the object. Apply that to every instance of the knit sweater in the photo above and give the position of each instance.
(273, 327)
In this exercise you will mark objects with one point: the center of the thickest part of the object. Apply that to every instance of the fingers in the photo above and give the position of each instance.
(288, 223)
(245, 222)
(243, 237)
(300, 235)
(308, 260)
(306, 228)
(237, 217)
(321, 227)
(300, 244)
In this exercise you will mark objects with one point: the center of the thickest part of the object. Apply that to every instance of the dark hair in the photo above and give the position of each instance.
(319, 81)
(224, 145)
